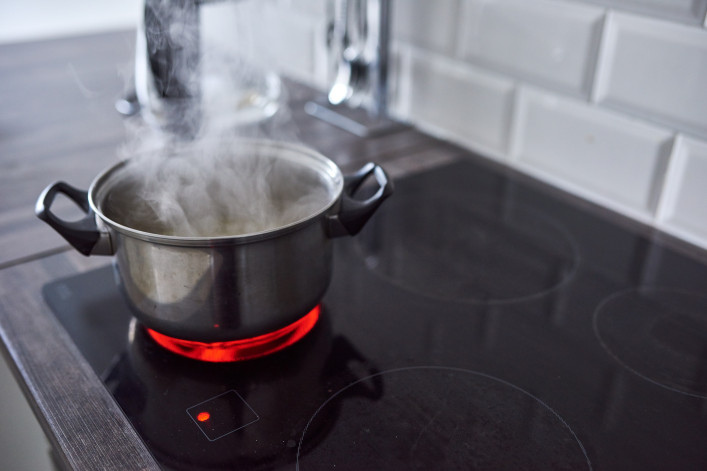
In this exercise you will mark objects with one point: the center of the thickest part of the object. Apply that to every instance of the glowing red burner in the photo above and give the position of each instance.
(242, 349)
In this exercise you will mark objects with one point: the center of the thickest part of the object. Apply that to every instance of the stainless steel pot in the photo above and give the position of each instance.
(226, 287)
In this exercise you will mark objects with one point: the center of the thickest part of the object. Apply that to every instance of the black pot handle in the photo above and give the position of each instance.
(83, 234)
(353, 213)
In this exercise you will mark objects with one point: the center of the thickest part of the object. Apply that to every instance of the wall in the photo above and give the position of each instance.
(31, 20)
(604, 98)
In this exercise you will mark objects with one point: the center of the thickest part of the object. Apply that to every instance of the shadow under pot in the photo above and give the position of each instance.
(231, 247)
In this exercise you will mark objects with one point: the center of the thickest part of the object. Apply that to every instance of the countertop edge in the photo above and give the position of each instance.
(72, 405)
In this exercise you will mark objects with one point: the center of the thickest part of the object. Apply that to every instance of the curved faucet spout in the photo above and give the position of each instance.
(167, 79)
(171, 29)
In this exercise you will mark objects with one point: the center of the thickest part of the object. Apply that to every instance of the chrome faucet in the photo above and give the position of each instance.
(358, 40)
(358, 43)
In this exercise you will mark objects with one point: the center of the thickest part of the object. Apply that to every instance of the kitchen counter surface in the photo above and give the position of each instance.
(59, 122)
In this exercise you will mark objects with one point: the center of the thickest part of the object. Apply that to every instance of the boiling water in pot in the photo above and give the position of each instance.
(224, 195)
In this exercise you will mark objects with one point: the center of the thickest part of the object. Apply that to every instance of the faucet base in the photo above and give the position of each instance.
(357, 121)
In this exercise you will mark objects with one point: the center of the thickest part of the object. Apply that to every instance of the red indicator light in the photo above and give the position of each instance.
(243, 349)
(203, 416)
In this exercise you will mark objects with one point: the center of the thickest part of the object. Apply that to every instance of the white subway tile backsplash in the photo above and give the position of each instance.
(472, 106)
(547, 42)
(293, 42)
(585, 94)
(655, 69)
(683, 209)
(599, 154)
(431, 25)
(264, 34)
(315, 8)
(688, 11)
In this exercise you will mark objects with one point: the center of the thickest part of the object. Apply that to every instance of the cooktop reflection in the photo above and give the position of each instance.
(477, 322)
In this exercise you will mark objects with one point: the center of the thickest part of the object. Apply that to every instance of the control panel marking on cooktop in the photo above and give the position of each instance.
(222, 414)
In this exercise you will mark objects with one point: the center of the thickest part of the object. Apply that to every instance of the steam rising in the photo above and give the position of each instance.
(202, 189)
(204, 177)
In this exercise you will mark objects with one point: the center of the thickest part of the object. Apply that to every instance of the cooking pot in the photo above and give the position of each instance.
(223, 287)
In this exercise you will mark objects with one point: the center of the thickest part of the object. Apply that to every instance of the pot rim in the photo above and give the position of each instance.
(324, 166)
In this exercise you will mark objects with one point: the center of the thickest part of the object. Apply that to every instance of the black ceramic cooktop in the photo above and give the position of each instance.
(475, 323)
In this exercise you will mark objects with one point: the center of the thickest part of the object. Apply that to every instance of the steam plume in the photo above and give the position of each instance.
(211, 182)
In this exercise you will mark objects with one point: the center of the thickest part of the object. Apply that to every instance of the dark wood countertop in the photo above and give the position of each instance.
(57, 122)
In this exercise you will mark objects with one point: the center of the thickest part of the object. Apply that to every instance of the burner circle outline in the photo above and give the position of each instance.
(618, 295)
(481, 208)
(442, 368)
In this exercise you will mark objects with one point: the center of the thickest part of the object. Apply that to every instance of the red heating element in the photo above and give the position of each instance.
(242, 349)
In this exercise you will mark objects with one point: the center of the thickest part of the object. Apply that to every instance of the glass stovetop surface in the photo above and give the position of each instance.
(476, 323)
